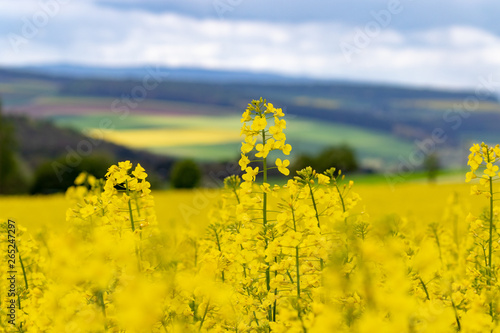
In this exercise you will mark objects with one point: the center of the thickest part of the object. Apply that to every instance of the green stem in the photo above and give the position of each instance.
(193, 305)
(220, 250)
(264, 218)
(137, 206)
(204, 316)
(101, 189)
(490, 241)
(321, 262)
(130, 206)
(297, 264)
(131, 214)
(314, 204)
(275, 293)
(425, 288)
(340, 195)
(345, 221)
(289, 276)
(435, 232)
(100, 297)
(241, 246)
(457, 318)
(256, 320)
(101, 300)
(299, 314)
(22, 267)
(163, 324)
(236, 195)
(298, 270)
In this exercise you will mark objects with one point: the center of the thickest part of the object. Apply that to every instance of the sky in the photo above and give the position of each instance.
(440, 43)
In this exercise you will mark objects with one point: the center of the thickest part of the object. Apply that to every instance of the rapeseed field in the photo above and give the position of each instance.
(318, 254)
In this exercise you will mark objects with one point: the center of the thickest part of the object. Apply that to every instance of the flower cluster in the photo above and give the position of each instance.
(102, 273)
(271, 138)
(483, 155)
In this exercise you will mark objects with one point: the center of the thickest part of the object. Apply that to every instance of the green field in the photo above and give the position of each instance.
(202, 137)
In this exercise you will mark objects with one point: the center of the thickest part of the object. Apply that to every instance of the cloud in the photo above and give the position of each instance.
(417, 15)
(84, 32)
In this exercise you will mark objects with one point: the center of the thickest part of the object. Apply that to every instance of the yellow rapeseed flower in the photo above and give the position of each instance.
(250, 174)
(491, 170)
(259, 123)
(139, 172)
(243, 162)
(282, 166)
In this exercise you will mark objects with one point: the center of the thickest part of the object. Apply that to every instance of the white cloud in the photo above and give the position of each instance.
(80, 32)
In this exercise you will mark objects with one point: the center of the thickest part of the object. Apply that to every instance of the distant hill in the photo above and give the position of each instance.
(335, 111)
(40, 141)
(171, 73)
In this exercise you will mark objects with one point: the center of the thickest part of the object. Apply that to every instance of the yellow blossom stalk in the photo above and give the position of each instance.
(484, 155)
(259, 111)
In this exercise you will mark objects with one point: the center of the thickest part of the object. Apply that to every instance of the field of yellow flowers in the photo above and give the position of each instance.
(318, 254)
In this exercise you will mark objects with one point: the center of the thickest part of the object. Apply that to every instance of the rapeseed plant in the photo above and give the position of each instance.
(272, 252)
